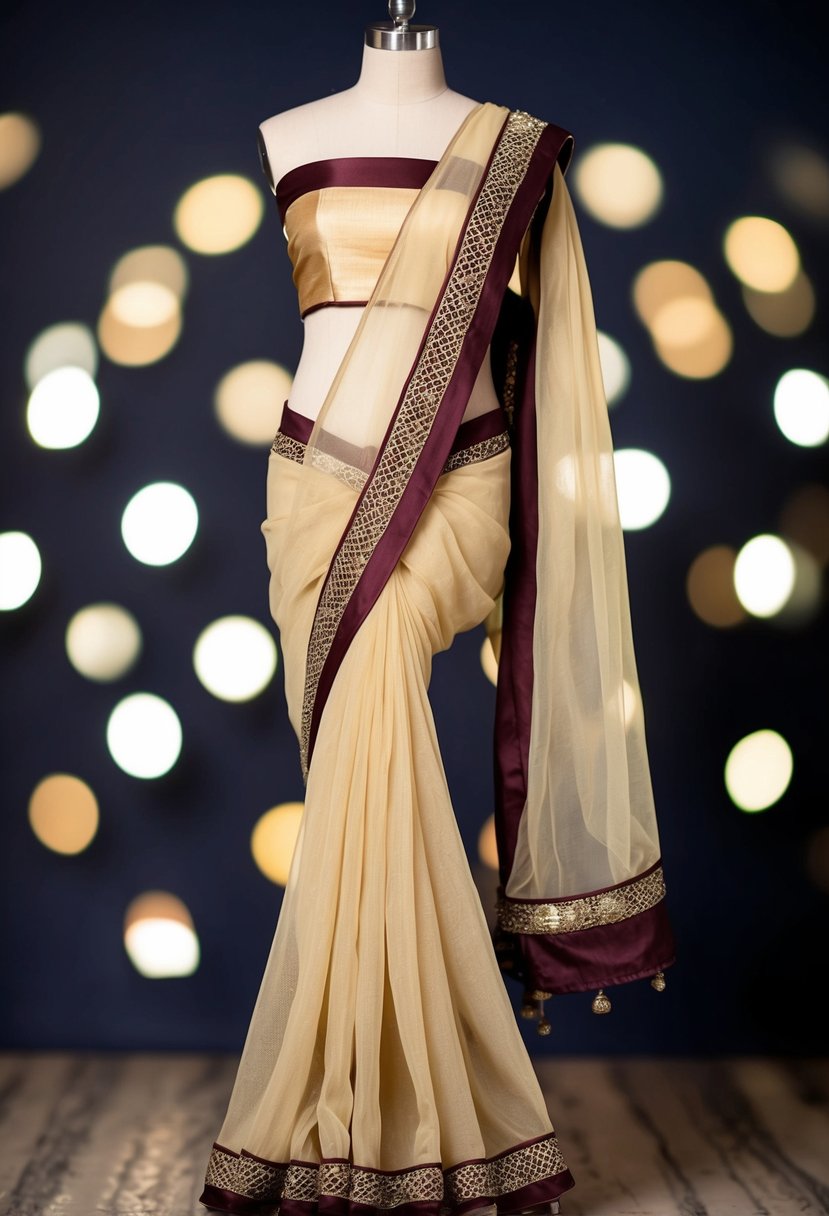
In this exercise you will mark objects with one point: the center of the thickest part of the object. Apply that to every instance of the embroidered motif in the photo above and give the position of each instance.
(272, 1181)
(510, 373)
(294, 449)
(568, 915)
(284, 445)
(477, 451)
(424, 391)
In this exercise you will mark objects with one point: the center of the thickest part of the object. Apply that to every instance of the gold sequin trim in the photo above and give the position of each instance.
(567, 915)
(506, 1173)
(271, 1182)
(284, 445)
(294, 449)
(510, 374)
(424, 392)
(477, 451)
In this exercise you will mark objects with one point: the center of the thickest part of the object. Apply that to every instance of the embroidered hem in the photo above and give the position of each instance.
(530, 1173)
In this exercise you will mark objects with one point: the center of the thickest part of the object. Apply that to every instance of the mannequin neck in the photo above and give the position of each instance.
(398, 78)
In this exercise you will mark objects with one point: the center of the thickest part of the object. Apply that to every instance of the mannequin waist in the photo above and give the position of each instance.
(328, 333)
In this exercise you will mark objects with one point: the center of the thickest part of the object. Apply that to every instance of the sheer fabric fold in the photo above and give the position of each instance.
(383, 1069)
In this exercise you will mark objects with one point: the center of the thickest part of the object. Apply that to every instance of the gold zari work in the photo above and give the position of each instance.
(294, 449)
(305, 1181)
(423, 395)
(565, 916)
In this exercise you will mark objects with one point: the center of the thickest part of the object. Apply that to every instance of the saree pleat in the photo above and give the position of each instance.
(383, 1041)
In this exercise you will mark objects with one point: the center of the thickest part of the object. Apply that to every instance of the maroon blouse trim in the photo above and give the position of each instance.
(444, 427)
(401, 172)
(474, 430)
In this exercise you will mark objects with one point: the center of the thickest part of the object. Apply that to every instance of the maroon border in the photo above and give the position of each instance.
(473, 430)
(630, 949)
(542, 1191)
(447, 419)
(398, 172)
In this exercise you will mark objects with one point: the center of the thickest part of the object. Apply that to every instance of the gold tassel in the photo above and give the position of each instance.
(658, 981)
(601, 1003)
(529, 1010)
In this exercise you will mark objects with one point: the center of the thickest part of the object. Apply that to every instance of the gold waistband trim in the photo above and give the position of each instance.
(585, 912)
(267, 1181)
(294, 449)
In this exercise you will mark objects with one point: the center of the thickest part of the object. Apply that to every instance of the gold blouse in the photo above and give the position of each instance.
(341, 218)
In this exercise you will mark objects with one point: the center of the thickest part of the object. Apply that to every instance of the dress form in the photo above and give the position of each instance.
(400, 106)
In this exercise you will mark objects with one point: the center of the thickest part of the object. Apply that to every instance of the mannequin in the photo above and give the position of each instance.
(408, 492)
(400, 106)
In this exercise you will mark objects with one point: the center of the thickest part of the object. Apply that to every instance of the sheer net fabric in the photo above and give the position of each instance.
(590, 819)
(383, 1034)
(383, 1064)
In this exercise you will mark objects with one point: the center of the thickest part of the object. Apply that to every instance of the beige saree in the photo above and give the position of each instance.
(383, 1069)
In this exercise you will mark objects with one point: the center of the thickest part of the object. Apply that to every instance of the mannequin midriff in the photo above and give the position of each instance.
(400, 106)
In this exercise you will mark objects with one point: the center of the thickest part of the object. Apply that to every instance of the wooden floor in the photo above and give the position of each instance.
(129, 1135)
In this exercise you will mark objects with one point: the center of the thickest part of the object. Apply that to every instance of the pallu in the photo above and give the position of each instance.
(383, 1068)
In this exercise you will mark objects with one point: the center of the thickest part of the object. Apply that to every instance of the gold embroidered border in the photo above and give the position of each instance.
(271, 1181)
(284, 445)
(482, 450)
(424, 391)
(294, 449)
(567, 915)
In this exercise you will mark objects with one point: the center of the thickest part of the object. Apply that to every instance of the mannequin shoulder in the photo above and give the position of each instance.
(290, 138)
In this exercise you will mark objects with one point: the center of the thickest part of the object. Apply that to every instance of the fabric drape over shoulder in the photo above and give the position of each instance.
(581, 899)
(581, 894)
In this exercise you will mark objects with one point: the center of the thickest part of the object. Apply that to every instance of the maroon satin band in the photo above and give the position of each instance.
(474, 430)
(401, 172)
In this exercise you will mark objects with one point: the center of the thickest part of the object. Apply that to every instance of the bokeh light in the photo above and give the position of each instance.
(488, 844)
(643, 487)
(63, 408)
(249, 400)
(66, 344)
(782, 313)
(618, 184)
(218, 214)
(63, 813)
(274, 839)
(159, 936)
(488, 661)
(20, 569)
(805, 519)
(615, 367)
(764, 574)
(761, 253)
(689, 333)
(758, 770)
(710, 588)
(147, 286)
(103, 641)
(661, 283)
(19, 147)
(801, 407)
(801, 175)
(235, 658)
(159, 523)
(817, 858)
(144, 735)
(136, 345)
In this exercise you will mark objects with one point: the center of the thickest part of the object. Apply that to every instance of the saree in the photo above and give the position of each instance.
(383, 1069)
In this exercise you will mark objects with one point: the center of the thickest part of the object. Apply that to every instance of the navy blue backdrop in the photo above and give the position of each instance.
(135, 104)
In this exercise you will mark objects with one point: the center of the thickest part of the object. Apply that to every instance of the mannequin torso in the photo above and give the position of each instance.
(400, 106)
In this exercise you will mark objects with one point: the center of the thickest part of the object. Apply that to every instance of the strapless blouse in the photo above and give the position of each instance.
(341, 217)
